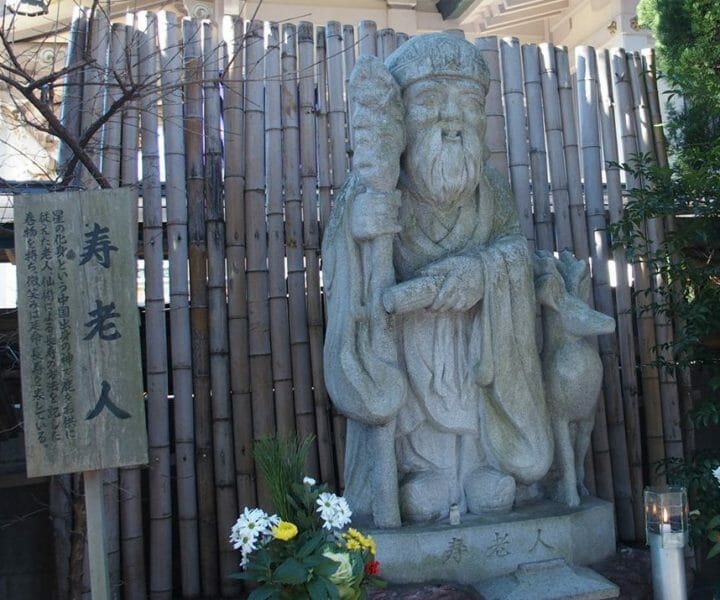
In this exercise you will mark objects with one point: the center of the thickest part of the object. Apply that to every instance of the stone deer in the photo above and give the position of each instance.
(572, 369)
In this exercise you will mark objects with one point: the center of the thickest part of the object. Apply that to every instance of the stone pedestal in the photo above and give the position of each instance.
(483, 547)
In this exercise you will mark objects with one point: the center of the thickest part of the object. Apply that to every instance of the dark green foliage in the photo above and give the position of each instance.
(688, 193)
(688, 36)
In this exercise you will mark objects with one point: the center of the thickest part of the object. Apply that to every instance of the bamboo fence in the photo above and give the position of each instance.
(252, 129)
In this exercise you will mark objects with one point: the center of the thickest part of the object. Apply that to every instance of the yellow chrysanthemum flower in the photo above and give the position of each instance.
(284, 530)
(355, 540)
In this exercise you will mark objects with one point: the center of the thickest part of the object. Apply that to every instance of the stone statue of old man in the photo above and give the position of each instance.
(430, 348)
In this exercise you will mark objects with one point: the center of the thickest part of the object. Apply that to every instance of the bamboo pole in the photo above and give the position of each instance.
(234, 116)
(336, 105)
(656, 119)
(581, 249)
(70, 110)
(257, 245)
(672, 431)
(578, 223)
(311, 246)
(197, 252)
(495, 137)
(348, 39)
(132, 538)
(555, 147)
(112, 140)
(224, 453)
(386, 43)
(299, 337)
(161, 584)
(517, 139)
(538, 155)
(367, 38)
(624, 309)
(622, 94)
(61, 485)
(279, 321)
(321, 115)
(181, 356)
(610, 395)
(94, 88)
(110, 161)
(622, 414)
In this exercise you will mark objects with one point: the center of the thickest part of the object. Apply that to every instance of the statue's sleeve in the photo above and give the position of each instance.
(514, 418)
(360, 353)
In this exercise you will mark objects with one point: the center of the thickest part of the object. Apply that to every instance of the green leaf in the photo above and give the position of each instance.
(326, 589)
(318, 589)
(312, 544)
(714, 522)
(291, 572)
(262, 593)
(326, 568)
(714, 551)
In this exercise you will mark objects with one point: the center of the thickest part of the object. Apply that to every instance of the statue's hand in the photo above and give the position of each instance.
(374, 214)
(463, 284)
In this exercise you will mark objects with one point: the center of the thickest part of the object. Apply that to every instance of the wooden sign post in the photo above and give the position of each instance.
(80, 344)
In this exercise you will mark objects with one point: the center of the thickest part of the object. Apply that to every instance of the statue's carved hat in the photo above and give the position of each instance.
(437, 55)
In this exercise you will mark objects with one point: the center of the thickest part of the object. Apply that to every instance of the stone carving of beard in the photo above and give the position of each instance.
(445, 163)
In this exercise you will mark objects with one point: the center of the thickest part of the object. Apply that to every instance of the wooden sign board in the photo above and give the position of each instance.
(79, 331)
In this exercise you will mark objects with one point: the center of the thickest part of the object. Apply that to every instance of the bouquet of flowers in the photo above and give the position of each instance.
(303, 551)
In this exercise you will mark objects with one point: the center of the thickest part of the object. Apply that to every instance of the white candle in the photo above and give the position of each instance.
(665, 526)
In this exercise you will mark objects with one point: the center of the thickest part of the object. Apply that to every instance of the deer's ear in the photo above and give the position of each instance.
(585, 286)
(549, 289)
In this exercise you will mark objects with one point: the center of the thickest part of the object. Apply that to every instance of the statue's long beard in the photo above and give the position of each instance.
(447, 169)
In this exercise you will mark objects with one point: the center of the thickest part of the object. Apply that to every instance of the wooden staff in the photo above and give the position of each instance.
(379, 177)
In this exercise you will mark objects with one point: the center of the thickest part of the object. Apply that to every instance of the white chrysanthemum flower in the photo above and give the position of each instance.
(326, 501)
(252, 524)
(343, 508)
(716, 473)
(308, 481)
(335, 512)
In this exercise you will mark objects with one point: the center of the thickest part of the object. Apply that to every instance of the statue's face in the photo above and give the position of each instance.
(445, 121)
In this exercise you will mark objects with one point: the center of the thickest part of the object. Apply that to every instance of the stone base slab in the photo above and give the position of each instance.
(549, 580)
(487, 546)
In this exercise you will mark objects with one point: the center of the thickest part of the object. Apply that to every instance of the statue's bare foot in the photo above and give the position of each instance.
(424, 497)
(489, 490)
